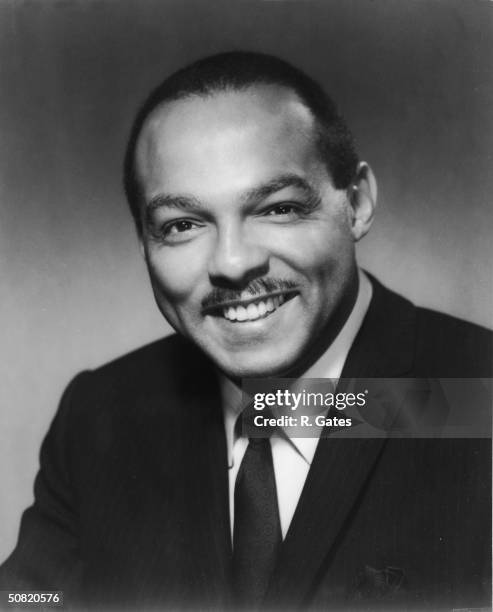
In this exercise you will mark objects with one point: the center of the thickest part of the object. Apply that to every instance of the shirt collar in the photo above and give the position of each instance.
(329, 365)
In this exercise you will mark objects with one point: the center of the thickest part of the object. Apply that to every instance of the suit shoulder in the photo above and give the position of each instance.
(155, 374)
(160, 356)
(459, 348)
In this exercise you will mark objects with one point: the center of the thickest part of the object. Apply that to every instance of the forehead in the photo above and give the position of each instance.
(235, 136)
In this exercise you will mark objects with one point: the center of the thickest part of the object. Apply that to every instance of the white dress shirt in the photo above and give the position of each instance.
(292, 457)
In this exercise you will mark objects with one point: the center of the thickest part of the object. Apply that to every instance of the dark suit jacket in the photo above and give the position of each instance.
(131, 501)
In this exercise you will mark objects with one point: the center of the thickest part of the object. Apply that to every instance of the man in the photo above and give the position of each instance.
(248, 197)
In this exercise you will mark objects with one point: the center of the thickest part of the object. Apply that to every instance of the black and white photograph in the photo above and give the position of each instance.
(247, 301)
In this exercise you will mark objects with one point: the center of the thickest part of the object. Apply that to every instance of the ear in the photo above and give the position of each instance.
(363, 201)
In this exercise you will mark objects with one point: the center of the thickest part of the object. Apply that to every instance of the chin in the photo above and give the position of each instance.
(255, 366)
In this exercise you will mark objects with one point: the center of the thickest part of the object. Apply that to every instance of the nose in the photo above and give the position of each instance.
(236, 260)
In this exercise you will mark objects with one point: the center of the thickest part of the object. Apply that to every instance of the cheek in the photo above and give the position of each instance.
(174, 276)
(315, 250)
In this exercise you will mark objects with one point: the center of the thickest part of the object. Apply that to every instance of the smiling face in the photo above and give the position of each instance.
(250, 248)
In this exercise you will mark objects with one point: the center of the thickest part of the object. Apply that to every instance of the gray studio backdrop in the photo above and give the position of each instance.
(413, 78)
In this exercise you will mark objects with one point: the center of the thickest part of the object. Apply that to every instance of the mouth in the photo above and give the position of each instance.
(253, 308)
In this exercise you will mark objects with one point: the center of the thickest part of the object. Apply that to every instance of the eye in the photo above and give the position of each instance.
(283, 212)
(282, 209)
(177, 227)
(178, 230)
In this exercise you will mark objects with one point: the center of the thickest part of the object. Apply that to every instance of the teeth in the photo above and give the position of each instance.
(254, 310)
(241, 313)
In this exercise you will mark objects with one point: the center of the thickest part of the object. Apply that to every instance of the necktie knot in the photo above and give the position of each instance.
(259, 443)
(244, 427)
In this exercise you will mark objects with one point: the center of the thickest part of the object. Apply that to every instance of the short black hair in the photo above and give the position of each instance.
(234, 71)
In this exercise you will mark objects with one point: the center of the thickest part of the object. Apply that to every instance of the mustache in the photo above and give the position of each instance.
(259, 286)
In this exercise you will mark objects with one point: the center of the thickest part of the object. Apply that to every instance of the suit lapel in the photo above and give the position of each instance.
(208, 497)
(339, 470)
(342, 466)
(207, 485)
(193, 464)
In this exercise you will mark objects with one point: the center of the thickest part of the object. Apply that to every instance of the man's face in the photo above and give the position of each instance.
(248, 244)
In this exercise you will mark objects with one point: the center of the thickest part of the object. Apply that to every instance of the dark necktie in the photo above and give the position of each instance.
(257, 529)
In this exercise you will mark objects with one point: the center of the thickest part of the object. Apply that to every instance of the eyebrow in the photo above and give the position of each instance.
(182, 202)
(278, 184)
(188, 203)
